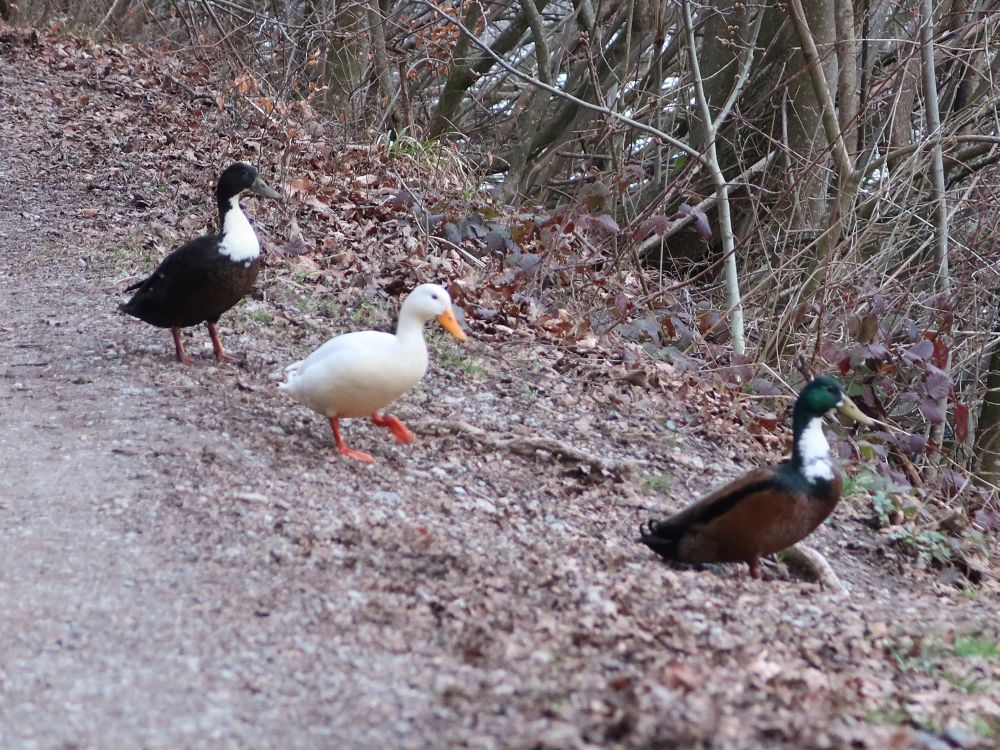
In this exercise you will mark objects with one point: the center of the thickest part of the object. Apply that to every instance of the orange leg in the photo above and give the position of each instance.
(342, 446)
(402, 433)
(755, 568)
(179, 347)
(220, 355)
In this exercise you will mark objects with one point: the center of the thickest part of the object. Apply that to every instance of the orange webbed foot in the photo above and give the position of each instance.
(342, 446)
(220, 354)
(358, 455)
(400, 430)
(182, 357)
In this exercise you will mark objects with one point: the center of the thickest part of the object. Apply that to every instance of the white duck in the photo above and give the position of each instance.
(359, 374)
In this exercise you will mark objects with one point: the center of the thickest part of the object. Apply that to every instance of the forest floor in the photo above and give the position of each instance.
(187, 564)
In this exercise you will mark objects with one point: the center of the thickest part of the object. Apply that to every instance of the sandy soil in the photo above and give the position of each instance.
(186, 564)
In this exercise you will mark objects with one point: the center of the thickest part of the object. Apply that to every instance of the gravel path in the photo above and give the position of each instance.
(136, 613)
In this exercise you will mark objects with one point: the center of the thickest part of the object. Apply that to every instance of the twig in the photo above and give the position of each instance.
(649, 129)
(935, 433)
(530, 446)
(188, 89)
(733, 295)
(465, 253)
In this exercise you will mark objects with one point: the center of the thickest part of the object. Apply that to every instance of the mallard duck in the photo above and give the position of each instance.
(359, 374)
(770, 508)
(202, 279)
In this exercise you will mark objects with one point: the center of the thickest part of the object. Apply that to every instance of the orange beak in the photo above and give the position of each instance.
(450, 324)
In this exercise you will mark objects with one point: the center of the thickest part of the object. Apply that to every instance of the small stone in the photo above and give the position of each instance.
(386, 497)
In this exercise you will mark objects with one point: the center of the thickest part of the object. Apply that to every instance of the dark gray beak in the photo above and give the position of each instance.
(261, 188)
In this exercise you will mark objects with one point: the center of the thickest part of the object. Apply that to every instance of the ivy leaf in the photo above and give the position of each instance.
(495, 241)
(658, 225)
(867, 329)
(452, 233)
(830, 351)
(875, 350)
(607, 223)
(931, 411)
(940, 356)
(961, 419)
(919, 352)
(938, 383)
(914, 444)
(701, 224)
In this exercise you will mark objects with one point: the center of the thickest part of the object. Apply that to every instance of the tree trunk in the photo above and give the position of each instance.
(345, 63)
(380, 61)
(988, 427)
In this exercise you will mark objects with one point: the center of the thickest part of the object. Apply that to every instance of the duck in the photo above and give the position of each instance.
(769, 508)
(203, 278)
(359, 374)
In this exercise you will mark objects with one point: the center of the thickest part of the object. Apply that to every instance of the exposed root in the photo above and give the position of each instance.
(813, 565)
(532, 446)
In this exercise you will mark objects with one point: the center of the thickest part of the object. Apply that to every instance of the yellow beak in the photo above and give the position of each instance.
(450, 324)
(850, 409)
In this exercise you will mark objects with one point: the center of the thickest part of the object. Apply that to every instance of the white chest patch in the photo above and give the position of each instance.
(239, 241)
(815, 452)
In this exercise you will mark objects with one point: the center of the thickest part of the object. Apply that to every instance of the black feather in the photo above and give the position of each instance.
(193, 284)
(661, 537)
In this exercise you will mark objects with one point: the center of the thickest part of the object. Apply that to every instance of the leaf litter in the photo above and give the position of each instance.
(472, 594)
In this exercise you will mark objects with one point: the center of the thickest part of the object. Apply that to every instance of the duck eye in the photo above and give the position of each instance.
(434, 296)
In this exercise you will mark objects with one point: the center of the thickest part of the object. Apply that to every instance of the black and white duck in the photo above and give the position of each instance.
(203, 278)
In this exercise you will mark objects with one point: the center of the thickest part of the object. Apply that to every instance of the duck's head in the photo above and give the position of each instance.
(432, 302)
(823, 394)
(242, 176)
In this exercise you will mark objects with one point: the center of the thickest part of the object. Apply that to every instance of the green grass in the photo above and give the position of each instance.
(892, 714)
(951, 663)
(927, 546)
(943, 664)
(977, 647)
(370, 312)
(127, 255)
(982, 727)
(451, 356)
(441, 162)
(659, 483)
(928, 655)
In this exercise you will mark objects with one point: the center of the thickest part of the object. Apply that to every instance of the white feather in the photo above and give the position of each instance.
(239, 241)
(360, 373)
(815, 452)
(357, 374)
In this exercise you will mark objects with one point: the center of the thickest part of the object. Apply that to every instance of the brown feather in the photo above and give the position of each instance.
(764, 511)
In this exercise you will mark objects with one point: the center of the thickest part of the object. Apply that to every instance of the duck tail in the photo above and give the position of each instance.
(292, 373)
(661, 537)
(130, 307)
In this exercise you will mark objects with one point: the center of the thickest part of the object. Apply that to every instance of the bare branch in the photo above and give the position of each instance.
(641, 126)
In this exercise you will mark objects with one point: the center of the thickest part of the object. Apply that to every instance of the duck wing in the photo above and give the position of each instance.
(183, 289)
(704, 531)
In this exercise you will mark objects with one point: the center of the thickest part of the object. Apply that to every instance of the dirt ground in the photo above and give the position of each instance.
(186, 564)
